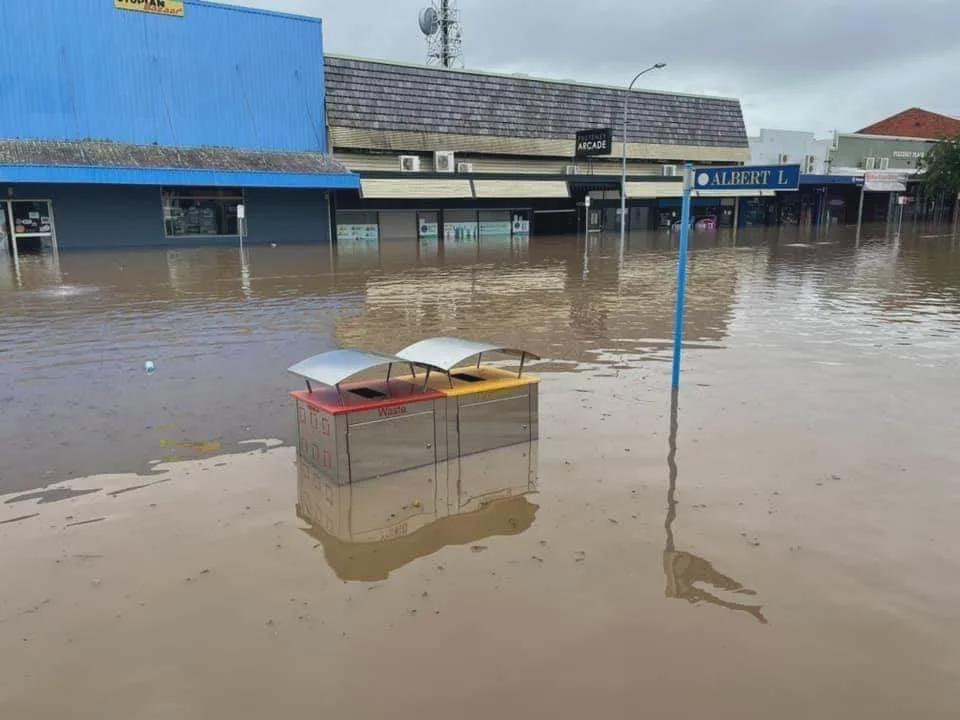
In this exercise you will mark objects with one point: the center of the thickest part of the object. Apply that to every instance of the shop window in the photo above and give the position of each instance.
(870, 163)
(357, 227)
(495, 223)
(460, 226)
(203, 212)
(884, 163)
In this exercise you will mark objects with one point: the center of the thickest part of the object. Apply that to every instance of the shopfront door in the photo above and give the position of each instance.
(30, 223)
(4, 229)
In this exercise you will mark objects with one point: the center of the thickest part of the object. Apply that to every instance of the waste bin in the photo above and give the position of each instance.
(369, 529)
(365, 429)
(487, 407)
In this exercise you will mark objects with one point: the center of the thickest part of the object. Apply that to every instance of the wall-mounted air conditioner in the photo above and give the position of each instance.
(444, 161)
(409, 163)
(464, 167)
(669, 171)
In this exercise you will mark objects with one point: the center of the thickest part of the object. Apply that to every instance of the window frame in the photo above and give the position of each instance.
(241, 197)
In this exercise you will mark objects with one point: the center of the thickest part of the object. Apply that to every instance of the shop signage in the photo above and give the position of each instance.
(885, 182)
(173, 8)
(747, 177)
(594, 142)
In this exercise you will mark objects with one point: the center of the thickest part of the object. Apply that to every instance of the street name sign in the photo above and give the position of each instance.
(747, 177)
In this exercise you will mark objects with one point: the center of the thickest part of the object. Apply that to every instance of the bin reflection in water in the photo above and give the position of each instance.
(370, 528)
(353, 431)
(486, 407)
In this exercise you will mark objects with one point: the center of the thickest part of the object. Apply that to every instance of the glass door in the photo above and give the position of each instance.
(31, 219)
(4, 229)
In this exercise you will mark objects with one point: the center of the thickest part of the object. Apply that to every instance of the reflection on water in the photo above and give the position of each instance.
(370, 528)
(221, 324)
(686, 573)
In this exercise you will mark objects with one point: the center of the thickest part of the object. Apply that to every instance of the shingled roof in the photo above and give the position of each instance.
(91, 153)
(378, 95)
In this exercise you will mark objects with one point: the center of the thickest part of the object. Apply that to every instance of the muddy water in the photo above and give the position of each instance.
(780, 542)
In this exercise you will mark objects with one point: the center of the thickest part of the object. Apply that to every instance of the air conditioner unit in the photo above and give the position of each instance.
(409, 163)
(669, 171)
(464, 167)
(570, 170)
(443, 161)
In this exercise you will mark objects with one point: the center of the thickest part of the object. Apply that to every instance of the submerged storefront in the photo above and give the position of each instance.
(187, 136)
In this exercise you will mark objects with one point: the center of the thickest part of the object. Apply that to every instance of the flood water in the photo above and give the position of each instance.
(778, 541)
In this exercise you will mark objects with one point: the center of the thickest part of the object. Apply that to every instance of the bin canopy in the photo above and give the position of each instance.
(332, 368)
(446, 353)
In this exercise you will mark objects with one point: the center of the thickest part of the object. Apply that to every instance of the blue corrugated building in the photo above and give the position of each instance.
(139, 122)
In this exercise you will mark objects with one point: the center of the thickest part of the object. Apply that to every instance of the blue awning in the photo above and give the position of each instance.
(831, 179)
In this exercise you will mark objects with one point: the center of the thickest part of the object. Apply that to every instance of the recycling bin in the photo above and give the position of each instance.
(486, 407)
(353, 431)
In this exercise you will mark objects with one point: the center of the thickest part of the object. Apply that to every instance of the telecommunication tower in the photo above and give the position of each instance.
(440, 23)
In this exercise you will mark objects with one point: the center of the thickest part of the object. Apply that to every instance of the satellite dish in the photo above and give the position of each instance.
(429, 21)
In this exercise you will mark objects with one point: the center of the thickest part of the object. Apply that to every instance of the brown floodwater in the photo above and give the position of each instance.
(776, 541)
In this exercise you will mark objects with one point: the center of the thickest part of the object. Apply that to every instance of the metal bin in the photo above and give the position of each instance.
(487, 407)
(360, 430)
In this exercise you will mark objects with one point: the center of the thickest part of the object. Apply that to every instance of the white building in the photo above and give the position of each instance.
(791, 147)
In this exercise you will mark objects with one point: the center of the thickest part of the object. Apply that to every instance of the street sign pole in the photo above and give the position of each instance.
(863, 190)
(682, 273)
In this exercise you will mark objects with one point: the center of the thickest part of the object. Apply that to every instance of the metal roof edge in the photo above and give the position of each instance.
(254, 10)
(521, 76)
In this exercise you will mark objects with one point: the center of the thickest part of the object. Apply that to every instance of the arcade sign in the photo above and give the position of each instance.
(594, 142)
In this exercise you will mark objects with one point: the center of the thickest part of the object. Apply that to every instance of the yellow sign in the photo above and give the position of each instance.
(174, 8)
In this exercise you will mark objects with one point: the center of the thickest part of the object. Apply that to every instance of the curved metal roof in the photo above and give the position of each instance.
(332, 368)
(445, 353)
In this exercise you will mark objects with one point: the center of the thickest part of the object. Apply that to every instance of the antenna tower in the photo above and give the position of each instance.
(440, 23)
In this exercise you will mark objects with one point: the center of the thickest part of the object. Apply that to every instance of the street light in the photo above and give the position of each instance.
(623, 179)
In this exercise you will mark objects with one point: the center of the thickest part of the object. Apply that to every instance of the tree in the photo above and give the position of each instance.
(941, 168)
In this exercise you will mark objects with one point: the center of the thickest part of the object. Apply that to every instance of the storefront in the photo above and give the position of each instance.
(179, 158)
(27, 224)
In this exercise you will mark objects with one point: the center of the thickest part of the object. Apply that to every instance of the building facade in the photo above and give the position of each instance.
(454, 155)
(145, 123)
(791, 147)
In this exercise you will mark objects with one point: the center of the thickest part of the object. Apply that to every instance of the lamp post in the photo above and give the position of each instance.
(623, 139)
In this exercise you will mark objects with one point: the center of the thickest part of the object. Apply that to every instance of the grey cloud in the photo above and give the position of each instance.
(817, 65)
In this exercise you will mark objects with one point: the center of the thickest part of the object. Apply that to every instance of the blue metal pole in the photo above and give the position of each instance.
(682, 273)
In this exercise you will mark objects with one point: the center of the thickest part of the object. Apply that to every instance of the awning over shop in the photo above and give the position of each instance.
(414, 188)
(732, 193)
(109, 163)
(654, 189)
(521, 188)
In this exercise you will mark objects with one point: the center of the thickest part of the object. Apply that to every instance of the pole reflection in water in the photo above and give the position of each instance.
(685, 570)
(371, 528)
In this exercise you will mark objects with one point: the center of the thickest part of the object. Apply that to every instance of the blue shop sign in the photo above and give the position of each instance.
(747, 177)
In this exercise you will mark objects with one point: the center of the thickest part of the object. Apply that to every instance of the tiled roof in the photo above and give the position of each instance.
(90, 153)
(377, 95)
(916, 123)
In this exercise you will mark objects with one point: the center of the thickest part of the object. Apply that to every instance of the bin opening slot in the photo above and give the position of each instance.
(368, 393)
(467, 378)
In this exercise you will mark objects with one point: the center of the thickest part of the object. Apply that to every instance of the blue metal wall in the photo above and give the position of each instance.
(87, 216)
(219, 76)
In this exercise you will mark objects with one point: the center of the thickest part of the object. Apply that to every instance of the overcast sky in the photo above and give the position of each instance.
(816, 65)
